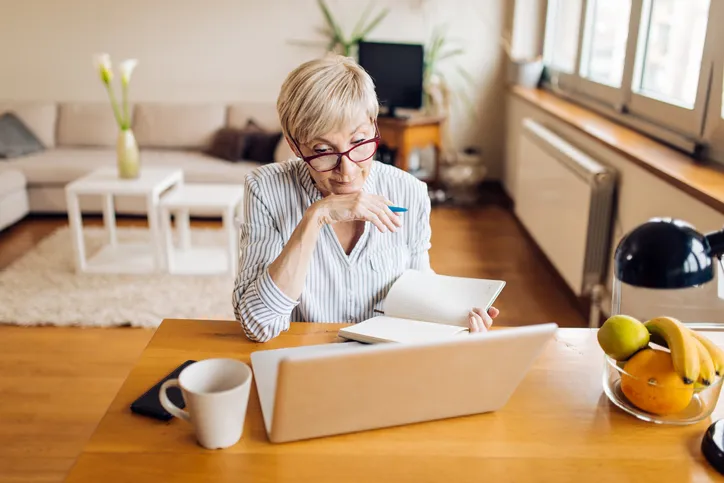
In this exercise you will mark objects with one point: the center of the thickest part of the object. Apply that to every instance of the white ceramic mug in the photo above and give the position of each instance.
(216, 393)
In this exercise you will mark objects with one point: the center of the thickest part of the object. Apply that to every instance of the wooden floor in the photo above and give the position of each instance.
(55, 383)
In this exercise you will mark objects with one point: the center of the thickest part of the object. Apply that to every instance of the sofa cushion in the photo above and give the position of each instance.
(87, 125)
(13, 208)
(11, 180)
(16, 139)
(228, 144)
(177, 126)
(262, 113)
(199, 167)
(40, 118)
(61, 165)
(251, 143)
(260, 144)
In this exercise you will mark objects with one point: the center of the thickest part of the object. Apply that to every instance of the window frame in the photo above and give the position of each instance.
(689, 130)
(603, 93)
(713, 132)
(681, 119)
(562, 79)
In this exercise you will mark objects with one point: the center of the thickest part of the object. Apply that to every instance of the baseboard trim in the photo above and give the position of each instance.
(494, 190)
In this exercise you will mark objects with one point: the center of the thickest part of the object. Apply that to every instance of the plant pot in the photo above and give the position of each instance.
(129, 164)
(525, 73)
(462, 178)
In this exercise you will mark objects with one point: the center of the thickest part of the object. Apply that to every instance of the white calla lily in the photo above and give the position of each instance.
(126, 69)
(104, 67)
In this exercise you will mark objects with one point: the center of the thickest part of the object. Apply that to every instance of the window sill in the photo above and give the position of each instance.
(705, 182)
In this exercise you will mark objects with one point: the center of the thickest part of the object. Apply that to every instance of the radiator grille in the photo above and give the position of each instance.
(564, 198)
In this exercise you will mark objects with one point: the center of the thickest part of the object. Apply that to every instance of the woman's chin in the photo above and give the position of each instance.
(346, 188)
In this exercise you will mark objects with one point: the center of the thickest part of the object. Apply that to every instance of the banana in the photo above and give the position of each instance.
(716, 353)
(680, 342)
(658, 340)
(707, 373)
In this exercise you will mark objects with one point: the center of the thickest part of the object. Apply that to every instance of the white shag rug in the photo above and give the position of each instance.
(42, 287)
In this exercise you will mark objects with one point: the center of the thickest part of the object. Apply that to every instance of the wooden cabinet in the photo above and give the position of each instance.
(408, 134)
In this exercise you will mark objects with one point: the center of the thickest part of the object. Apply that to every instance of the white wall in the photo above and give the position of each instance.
(221, 50)
(641, 196)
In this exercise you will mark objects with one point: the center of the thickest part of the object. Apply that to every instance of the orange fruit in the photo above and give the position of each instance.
(651, 383)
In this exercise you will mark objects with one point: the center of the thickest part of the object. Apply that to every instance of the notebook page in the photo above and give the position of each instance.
(391, 329)
(441, 299)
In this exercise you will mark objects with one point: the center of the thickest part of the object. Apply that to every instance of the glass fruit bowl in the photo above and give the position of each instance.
(674, 403)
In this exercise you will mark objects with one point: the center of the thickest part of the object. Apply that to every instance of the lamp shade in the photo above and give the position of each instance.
(664, 253)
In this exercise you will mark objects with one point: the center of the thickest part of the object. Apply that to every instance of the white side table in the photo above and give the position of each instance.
(115, 257)
(207, 199)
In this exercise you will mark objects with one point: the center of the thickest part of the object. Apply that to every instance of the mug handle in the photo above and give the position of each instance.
(166, 402)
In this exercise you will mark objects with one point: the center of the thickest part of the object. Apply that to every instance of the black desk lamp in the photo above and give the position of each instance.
(668, 254)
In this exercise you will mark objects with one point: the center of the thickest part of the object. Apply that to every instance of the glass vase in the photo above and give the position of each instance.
(128, 159)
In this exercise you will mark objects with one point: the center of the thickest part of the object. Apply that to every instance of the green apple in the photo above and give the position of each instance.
(621, 336)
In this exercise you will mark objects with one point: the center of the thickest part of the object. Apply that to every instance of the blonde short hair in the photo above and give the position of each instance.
(324, 94)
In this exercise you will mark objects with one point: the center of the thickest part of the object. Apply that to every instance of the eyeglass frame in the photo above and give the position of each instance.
(377, 139)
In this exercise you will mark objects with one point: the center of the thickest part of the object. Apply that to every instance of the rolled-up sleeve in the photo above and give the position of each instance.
(420, 233)
(262, 308)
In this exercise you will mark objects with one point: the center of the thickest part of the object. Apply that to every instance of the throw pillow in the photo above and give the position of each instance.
(260, 144)
(16, 139)
(228, 144)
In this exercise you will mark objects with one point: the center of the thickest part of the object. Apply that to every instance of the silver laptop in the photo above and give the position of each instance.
(322, 390)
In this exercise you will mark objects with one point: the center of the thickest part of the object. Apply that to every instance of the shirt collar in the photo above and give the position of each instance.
(308, 183)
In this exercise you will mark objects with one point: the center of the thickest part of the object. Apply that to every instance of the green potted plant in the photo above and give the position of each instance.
(126, 146)
(523, 71)
(446, 84)
(439, 95)
(338, 41)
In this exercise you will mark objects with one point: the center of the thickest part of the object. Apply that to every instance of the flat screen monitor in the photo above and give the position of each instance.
(397, 71)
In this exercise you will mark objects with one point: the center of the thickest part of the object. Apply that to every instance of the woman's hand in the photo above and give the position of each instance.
(357, 206)
(480, 321)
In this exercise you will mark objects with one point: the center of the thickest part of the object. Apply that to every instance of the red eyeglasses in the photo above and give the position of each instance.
(357, 154)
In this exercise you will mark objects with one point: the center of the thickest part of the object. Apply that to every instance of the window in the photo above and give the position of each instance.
(604, 50)
(672, 51)
(562, 40)
(651, 64)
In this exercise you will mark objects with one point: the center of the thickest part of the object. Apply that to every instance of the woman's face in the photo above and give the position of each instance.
(348, 177)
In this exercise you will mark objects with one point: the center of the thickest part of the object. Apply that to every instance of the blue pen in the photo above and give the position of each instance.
(397, 209)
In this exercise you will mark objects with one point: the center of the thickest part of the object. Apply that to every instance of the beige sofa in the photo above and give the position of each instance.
(80, 137)
(13, 197)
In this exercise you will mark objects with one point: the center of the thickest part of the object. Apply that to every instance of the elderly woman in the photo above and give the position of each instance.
(319, 242)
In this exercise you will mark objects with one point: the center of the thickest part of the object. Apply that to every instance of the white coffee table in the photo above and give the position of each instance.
(115, 257)
(203, 199)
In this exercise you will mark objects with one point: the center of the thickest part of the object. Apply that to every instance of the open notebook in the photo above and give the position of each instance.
(423, 306)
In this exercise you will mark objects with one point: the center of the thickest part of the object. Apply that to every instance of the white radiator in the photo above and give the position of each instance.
(564, 198)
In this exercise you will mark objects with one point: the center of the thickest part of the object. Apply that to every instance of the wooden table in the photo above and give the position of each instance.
(406, 134)
(558, 426)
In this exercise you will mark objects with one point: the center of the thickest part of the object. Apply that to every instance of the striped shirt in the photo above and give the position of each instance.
(338, 287)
